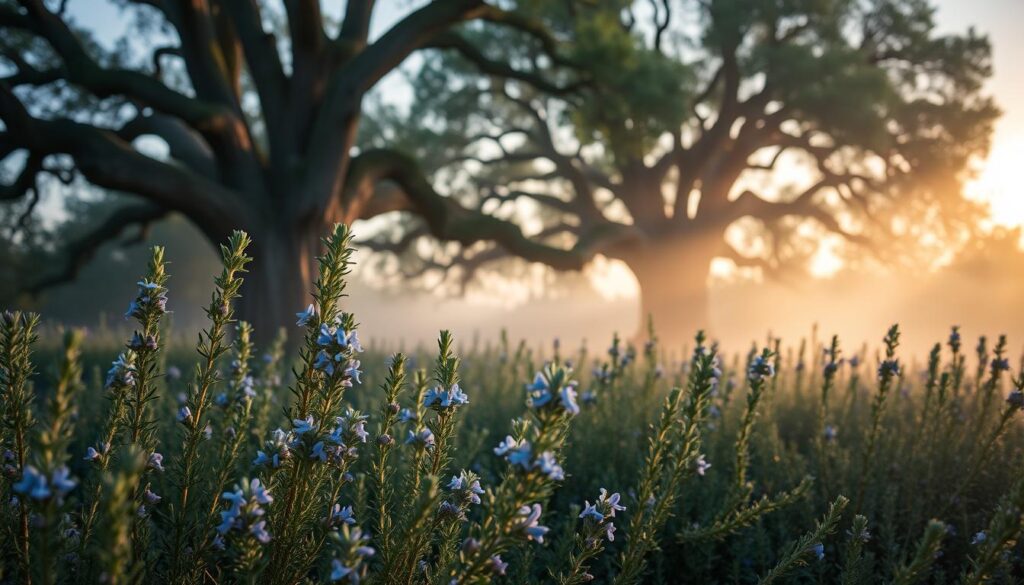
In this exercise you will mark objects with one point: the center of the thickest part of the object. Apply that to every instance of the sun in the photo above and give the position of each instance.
(999, 182)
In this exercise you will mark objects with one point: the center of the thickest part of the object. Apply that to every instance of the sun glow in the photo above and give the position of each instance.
(999, 182)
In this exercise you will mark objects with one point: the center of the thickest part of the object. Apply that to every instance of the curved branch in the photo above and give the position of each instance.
(82, 70)
(107, 161)
(25, 180)
(79, 251)
(449, 221)
(347, 86)
(456, 42)
(749, 203)
(185, 145)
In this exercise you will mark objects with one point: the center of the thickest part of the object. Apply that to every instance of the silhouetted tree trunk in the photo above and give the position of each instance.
(280, 281)
(673, 277)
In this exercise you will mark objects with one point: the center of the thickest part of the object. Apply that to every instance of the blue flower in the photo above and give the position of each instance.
(259, 531)
(122, 371)
(830, 432)
(516, 452)
(528, 523)
(552, 387)
(818, 550)
(610, 503)
(352, 372)
(185, 415)
(351, 427)
(32, 484)
(94, 454)
(1000, 365)
(354, 543)
(407, 415)
(422, 439)
(954, 338)
(889, 369)
(278, 449)
(341, 516)
(567, 397)
(760, 369)
(1016, 399)
(440, 398)
(326, 336)
(244, 515)
(151, 297)
(979, 538)
(467, 486)
(506, 445)
(37, 486)
(590, 511)
(549, 466)
(62, 481)
(302, 425)
(306, 316)
(324, 363)
(340, 571)
(151, 497)
(318, 451)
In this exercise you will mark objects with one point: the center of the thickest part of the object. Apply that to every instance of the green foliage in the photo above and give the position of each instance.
(638, 470)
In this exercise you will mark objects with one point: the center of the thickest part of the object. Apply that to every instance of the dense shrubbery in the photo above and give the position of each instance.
(715, 469)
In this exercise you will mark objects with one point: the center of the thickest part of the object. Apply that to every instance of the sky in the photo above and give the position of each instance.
(1001, 20)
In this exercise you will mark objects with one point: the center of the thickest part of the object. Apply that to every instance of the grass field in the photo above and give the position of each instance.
(807, 463)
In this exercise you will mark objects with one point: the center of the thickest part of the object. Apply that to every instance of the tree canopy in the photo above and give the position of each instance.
(549, 131)
(658, 128)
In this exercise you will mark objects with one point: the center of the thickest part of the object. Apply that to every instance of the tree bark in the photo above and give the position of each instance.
(673, 278)
(280, 281)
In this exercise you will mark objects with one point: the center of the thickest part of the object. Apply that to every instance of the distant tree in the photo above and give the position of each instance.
(258, 112)
(655, 128)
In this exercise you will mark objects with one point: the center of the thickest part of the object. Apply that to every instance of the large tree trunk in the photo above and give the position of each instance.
(280, 281)
(673, 279)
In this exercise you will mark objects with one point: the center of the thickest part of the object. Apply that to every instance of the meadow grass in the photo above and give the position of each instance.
(224, 462)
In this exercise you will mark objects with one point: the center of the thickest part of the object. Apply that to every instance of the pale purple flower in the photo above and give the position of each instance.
(155, 462)
(422, 439)
(611, 502)
(496, 565)
(529, 517)
(467, 486)
(701, 466)
(122, 371)
(259, 531)
(549, 466)
(830, 432)
(508, 444)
